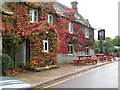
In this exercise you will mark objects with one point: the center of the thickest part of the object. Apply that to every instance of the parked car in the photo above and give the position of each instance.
(9, 83)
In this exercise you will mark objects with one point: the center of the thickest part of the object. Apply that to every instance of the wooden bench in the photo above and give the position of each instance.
(94, 61)
(85, 61)
(91, 61)
(113, 56)
(107, 57)
(100, 57)
(79, 62)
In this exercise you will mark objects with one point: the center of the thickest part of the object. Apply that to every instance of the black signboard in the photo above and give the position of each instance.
(101, 34)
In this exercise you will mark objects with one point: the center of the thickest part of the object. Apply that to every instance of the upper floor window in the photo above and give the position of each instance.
(45, 45)
(71, 28)
(50, 19)
(34, 16)
(86, 33)
(70, 49)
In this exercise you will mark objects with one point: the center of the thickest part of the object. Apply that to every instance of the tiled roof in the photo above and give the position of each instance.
(59, 8)
(62, 9)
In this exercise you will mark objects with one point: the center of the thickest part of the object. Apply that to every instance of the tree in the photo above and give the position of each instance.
(97, 46)
(116, 41)
(107, 40)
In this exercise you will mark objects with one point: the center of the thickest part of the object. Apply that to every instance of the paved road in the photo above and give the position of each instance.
(102, 77)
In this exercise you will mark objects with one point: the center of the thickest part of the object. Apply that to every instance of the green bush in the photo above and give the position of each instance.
(10, 43)
(5, 63)
(90, 43)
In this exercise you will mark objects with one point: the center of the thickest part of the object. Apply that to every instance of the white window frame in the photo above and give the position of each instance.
(71, 53)
(71, 28)
(32, 14)
(86, 33)
(45, 41)
(50, 21)
(87, 53)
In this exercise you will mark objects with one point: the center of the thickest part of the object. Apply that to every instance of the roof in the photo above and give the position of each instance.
(5, 10)
(63, 10)
(34, 2)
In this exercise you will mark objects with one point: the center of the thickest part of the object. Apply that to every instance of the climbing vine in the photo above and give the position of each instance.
(37, 35)
(16, 27)
(18, 24)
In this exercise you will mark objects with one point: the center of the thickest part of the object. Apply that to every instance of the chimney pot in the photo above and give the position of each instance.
(74, 5)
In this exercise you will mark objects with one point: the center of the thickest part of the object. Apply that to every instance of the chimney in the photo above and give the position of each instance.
(74, 5)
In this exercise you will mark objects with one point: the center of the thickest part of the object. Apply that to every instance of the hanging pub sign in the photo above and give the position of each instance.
(101, 34)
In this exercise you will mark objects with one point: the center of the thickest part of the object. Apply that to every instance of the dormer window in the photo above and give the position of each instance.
(34, 16)
(71, 28)
(50, 19)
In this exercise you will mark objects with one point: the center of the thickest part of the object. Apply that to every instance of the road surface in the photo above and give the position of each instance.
(101, 77)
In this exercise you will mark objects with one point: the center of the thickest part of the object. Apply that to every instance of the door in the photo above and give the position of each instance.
(23, 53)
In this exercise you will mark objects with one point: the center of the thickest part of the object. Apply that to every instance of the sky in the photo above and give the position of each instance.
(100, 13)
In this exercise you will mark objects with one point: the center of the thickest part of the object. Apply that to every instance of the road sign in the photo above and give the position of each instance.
(101, 34)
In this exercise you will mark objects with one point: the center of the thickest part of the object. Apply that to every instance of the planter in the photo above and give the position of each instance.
(45, 68)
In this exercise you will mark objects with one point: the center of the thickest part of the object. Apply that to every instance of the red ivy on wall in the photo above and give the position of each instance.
(67, 38)
(19, 23)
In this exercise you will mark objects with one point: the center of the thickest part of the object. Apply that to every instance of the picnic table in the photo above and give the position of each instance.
(100, 57)
(113, 55)
(107, 57)
(87, 59)
(104, 57)
(85, 56)
(83, 60)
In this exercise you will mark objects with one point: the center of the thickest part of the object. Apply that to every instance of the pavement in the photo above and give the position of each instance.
(39, 78)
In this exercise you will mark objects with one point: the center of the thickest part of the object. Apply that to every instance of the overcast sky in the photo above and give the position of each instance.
(100, 13)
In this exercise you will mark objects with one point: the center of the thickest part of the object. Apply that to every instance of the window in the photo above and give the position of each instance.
(50, 19)
(86, 33)
(34, 16)
(70, 49)
(45, 47)
(71, 28)
(87, 51)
